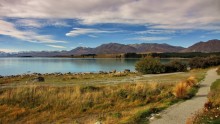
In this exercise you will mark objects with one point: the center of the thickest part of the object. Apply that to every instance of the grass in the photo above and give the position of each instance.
(211, 112)
(69, 102)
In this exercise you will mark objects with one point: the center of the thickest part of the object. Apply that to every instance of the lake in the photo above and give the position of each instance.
(14, 66)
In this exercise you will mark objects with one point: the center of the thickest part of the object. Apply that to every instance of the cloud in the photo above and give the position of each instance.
(28, 23)
(214, 32)
(169, 14)
(39, 23)
(9, 29)
(149, 38)
(56, 46)
(8, 50)
(154, 31)
(82, 31)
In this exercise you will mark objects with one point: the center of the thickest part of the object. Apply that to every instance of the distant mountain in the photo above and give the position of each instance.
(112, 48)
(154, 47)
(116, 48)
(209, 46)
(80, 51)
(3, 54)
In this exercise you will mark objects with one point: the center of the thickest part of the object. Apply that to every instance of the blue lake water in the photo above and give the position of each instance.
(13, 66)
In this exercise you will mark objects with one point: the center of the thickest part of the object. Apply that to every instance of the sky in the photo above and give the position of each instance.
(49, 25)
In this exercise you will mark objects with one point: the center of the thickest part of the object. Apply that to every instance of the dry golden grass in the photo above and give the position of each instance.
(181, 90)
(191, 81)
(40, 104)
(82, 102)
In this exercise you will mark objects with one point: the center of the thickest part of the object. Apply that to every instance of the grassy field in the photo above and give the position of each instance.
(88, 98)
(211, 112)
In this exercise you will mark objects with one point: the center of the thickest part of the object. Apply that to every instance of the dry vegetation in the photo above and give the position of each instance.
(186, 89)
(78, 103)
(211, 112)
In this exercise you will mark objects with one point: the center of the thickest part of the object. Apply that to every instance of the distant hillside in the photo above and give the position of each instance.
(209, 46)
(112, 48)
(80, 51)
(116, 48)
(2, 54)
(154, 47)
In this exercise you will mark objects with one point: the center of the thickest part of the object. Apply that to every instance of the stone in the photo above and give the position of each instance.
(39, 79)
(127, 71)
(98, 122)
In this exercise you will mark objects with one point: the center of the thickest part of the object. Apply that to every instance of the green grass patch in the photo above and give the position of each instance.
(216, 85)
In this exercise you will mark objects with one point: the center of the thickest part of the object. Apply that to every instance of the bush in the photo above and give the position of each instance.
(181, 90)
(149, 65)
(191, 81)
(201, 62)
(176, 66)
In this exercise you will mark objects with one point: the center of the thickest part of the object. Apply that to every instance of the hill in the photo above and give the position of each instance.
(209, 46)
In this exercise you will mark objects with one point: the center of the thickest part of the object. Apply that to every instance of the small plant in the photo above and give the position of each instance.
(191, 81)
(181, 90)
(117, 115)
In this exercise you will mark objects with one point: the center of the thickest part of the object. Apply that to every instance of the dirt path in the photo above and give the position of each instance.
(178, 113)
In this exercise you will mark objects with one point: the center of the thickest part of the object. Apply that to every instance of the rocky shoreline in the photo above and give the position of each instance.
(39, 75)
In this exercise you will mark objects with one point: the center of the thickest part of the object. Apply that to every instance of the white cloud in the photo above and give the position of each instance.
(56, 46)
(8, 50)
(215, 32)
(28, 23)
(39, 23)
(149, 38)
(154, 31)
(94, 36)
(81, 31)
(9, 29)
(169, 14)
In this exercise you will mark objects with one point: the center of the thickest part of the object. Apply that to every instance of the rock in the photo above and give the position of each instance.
(127, 71)
(39, 79)
(152, 118)
(113, 71)
(98, 122)
(102, 72)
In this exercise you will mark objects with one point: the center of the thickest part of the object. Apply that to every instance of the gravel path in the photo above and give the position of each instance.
(179, 113)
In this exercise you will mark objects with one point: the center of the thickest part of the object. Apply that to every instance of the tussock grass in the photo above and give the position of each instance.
(185, 89)
(70, 103)
(85, 102)
(180, 90)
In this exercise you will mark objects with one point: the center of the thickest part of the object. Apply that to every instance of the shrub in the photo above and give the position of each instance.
(180, 90)
(176, 66)
(191, 81)
(149, 65)
(201, 62)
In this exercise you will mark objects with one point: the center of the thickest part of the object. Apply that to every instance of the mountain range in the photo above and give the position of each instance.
(116, 48)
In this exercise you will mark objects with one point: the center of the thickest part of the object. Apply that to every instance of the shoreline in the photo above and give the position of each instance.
(125, 71)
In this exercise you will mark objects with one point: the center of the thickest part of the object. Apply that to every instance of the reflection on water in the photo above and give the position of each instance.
(12, 66)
